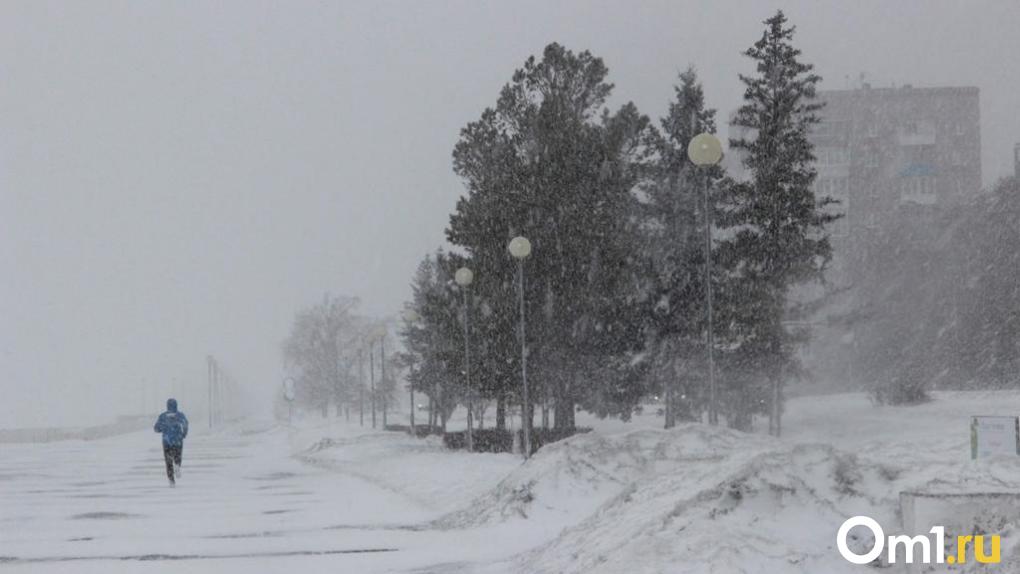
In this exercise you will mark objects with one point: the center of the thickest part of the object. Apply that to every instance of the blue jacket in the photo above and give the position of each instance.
(173, 424)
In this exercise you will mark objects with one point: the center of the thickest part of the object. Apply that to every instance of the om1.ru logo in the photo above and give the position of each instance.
(911, 544)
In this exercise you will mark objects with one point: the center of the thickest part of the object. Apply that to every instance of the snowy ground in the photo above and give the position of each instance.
(334, 497)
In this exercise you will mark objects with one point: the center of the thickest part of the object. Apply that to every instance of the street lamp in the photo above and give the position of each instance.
(413, 318)
(377, 334)
(520, 249)
(288, 393)
(464, 277)
(705, 151)
(382, 371)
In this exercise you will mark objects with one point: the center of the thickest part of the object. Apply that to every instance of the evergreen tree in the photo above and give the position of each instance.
(673, 218)
(940, 301)
(986, 302)
(776, 236)
(549, 163)
(435, 342)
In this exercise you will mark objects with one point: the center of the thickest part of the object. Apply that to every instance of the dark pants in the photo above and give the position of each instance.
(172, 456)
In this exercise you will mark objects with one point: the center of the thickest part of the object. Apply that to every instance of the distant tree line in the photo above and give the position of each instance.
(942, 310)
(338, 357)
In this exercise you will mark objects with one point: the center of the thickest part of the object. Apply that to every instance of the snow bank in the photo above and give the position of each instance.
(569, 479)
(701, 499)
(759, 508)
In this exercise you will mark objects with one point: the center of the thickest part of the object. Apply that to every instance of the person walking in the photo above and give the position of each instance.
(174, 426)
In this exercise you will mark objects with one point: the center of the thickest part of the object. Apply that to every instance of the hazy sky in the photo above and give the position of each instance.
(176, 178)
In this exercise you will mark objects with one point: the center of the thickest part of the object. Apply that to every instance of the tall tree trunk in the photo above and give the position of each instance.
(776, 412)
(531, 423)
(501, 413)
(740, 417)
(561, 413)
(670, 407)
(564, 407)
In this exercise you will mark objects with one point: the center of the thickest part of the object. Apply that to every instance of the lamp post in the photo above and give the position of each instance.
(371, 376)
(705, 151)
(413, 318)
(520, 249)
(378, 334)
(361, 386)
(288, 393)
(464, 277)
(382, 373)
(213, 372)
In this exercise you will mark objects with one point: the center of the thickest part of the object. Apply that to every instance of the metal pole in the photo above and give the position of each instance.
(371, 378)
(526, 406)
(212, 371)
(382, 376)
(410, 386)
(438, 409)
(361, 387)
(713, 415)
(467, 374)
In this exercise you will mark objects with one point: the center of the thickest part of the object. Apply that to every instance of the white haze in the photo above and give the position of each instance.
(176, 179)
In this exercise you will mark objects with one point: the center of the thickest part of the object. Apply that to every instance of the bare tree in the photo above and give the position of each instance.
(321, 351)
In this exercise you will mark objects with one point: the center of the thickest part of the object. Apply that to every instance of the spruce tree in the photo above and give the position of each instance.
(673, 217)
(776, 236)
(435, 343)
(550, 163)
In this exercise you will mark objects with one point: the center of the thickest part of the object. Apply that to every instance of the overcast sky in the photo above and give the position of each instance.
(177, 178)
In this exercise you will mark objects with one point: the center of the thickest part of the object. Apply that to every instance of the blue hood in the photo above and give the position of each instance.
(171, 405)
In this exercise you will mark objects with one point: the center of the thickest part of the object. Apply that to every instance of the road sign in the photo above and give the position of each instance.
(994, 436)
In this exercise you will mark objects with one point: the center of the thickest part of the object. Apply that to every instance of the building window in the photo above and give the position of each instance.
(959, 186)
(840, 227)
(834, 187)
(870, 156)
(832, 155)
(919, 189)
(919, 132)
(831, 128)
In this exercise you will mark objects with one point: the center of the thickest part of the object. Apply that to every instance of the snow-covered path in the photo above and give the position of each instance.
(243, 504)
(331, 496)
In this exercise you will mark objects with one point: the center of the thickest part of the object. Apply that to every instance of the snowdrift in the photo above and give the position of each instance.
(757, 510)
(571, 478)
(700, 499)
